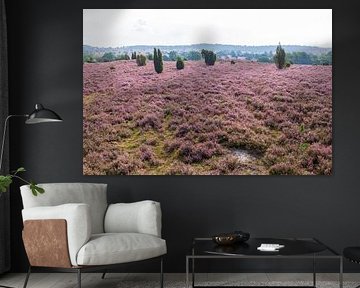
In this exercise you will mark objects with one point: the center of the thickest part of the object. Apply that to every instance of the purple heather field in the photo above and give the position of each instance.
(246, 118)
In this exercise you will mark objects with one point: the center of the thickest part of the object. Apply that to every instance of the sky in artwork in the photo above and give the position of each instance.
(117, 27)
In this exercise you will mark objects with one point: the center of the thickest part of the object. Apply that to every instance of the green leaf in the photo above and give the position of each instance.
(36, 189)
(20, 169)
(40, 190)
(5, 182)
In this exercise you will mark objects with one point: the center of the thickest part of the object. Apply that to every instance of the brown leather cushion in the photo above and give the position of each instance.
(46, 243)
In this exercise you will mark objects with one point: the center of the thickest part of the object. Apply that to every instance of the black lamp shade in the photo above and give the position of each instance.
(42, 115)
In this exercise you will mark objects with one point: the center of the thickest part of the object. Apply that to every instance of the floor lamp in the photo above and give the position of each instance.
(39, 115)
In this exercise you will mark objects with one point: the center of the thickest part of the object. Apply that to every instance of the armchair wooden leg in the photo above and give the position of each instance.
(79, 277)
(161, 273)
(103, 275)
(27, 277)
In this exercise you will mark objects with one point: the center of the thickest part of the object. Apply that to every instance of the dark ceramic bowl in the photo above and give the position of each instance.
(231, 238)
(225, 239)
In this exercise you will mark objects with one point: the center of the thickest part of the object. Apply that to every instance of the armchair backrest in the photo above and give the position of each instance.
(93, 194)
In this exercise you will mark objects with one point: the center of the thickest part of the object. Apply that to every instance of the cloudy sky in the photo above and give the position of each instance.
(115, 28)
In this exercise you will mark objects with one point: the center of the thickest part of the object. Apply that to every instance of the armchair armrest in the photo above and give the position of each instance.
(78, 223)
(138, 217)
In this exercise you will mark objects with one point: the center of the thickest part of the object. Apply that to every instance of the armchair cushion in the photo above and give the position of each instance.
(138, 217)
(113, 248)
(78, 221)
(93, 194)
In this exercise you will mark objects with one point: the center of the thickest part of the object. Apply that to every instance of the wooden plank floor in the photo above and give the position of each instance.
(93, 280)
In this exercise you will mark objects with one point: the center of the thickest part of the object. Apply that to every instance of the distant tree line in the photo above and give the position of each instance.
(106, 57)
(157, 58)
(304, 58)
(297, 58)
(267, 57)
(171, 56)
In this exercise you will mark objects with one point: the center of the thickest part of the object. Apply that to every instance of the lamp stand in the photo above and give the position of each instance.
(4, 136)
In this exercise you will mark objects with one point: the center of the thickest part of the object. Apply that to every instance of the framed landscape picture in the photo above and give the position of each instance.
(207, 91)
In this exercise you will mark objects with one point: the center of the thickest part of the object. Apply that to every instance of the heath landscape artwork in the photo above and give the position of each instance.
(207, 92)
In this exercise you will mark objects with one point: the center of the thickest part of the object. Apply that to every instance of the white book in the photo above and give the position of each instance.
(270, 247)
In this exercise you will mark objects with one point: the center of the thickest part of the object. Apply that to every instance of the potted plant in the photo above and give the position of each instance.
(6, 180)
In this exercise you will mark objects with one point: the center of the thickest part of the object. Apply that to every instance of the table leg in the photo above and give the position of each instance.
(187, 272)
(314, 270)
(193, 268)
(341, 273)
(193, 273)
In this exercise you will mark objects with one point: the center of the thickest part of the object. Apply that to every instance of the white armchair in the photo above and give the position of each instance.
(72, 228)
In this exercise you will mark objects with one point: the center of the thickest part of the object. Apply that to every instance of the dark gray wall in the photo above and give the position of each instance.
(45, 47)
